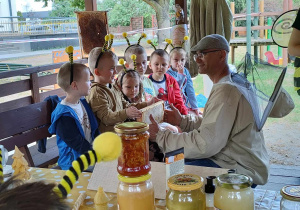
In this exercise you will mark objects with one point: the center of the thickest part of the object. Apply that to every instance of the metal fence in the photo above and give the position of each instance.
(17, 27)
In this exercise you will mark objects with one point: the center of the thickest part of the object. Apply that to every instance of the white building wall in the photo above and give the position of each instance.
(5, 23)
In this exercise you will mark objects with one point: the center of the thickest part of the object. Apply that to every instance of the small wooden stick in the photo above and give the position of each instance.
(79, 201)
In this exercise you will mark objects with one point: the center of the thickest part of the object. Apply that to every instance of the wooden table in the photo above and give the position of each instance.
(264, 199)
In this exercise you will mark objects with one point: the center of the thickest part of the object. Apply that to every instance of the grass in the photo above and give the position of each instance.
(267, 76)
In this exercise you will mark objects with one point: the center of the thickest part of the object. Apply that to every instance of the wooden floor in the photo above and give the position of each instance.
(281, 176)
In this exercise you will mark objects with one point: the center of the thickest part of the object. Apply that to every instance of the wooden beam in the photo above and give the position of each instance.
(183, 5)
(90, 5)
(264, 14)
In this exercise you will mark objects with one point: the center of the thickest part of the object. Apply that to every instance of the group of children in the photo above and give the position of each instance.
(110, 100)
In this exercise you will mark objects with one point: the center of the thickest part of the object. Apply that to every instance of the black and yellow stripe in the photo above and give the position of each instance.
(143, 35)
(72, 175)
(1, 167)
(297, 75)
(111, 41)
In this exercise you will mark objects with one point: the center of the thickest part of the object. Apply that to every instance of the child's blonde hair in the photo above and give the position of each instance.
(94, 57)
(179, 50)
(130, 73)
(64, 74)
(134, 49)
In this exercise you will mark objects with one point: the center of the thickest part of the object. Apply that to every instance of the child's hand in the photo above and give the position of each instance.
(195, 112)
(133, 113)
(180, 68)
(153, 101)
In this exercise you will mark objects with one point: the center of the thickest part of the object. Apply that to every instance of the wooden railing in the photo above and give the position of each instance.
(34, 82)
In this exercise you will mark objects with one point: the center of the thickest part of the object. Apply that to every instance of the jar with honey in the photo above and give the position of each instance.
(134, 158)
(234, 191)
(290, 197)
(135, 193)
(185, 193)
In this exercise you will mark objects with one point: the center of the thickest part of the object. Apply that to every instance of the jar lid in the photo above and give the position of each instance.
(137, 179)
(131, 127)
(291, 192)
(234, 181)
(185, 182)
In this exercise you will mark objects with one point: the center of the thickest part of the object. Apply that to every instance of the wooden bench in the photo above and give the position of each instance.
(26, 125)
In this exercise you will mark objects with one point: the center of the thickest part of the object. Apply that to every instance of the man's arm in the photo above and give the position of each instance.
(214, 131)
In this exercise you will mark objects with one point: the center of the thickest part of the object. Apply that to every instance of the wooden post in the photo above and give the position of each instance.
(27, 155)
(290, 4)
(90, 5)
(34, 86)
(284, 51)
(233, 32)
(183, 5)
(248, 24)
(261, 32)
(256, 31)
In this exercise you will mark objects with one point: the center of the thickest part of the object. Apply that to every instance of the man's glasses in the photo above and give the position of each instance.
(202, 54)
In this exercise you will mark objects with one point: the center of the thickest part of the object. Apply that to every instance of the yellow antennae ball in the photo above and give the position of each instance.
(149, 41)
(106, 37)
(144, 35)
(108, 145)
(170, 41)
(186, 38)
(124, 34)
(111, 36)
(69, 49)
(133, 57)
(121, 61)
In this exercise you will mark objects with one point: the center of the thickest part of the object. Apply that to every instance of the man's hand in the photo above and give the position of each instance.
(153, 101)
(173, 116)
(153, 128)
(133, 113)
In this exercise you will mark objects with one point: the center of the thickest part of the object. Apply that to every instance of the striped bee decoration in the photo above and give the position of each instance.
(1, 167)
(106, 147)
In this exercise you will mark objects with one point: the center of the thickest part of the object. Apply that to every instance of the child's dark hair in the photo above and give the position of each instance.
(130, 73)
(16, 195)
(159, 52)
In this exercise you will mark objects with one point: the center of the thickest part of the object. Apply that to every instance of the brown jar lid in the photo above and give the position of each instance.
(131, 127)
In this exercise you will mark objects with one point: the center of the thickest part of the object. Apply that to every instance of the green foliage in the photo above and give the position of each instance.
(63, 9)
(19, 13)
(120, 11)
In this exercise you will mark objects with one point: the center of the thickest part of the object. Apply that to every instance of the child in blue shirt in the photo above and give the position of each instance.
(73, 121)
(183, 77)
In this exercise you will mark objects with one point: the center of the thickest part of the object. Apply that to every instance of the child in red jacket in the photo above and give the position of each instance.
(165, 86)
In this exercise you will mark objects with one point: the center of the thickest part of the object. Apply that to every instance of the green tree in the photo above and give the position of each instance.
(63, 9)
(120, 14)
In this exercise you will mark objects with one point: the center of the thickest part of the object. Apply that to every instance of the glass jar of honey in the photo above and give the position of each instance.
(234, 192)
(134, 158)
(185, 193)
(290, 198)
(135, 193)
